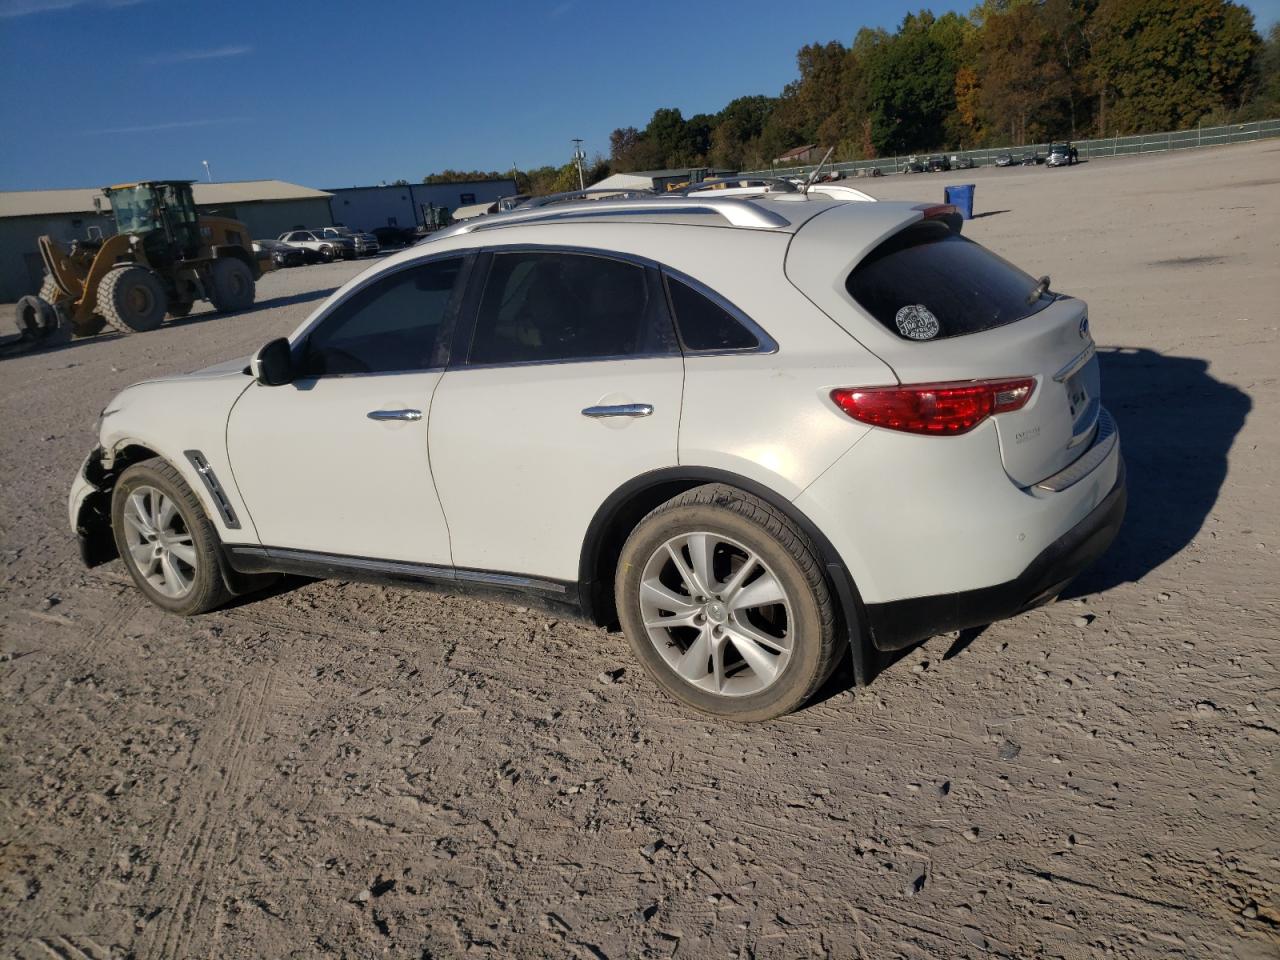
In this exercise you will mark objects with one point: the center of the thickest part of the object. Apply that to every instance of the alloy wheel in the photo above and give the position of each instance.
(160, 545)
(717, 614)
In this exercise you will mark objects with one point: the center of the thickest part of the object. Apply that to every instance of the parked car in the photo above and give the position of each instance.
(328, 248)
(282, 254)
(1004, 160)
(740, 452)
(1062, 155)
(389, 238)
(938, 164)
(913, 165)
(1031, 159)
(959, 162)
(366, 244)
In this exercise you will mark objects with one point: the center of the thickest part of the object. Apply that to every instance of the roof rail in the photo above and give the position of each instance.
(738, 212)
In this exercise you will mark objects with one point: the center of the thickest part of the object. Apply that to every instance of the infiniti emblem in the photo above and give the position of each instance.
(1084, 328)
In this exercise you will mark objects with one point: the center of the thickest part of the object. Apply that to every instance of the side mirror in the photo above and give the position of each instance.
(273, 364)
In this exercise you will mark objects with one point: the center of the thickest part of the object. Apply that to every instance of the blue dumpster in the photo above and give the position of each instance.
(962, 198)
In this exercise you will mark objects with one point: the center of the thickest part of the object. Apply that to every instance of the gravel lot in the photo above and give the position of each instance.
(348, 770)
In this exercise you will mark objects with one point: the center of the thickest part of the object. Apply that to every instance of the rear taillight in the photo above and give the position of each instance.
(940, 409)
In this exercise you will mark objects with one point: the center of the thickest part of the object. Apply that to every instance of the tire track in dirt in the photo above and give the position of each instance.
(198, 848)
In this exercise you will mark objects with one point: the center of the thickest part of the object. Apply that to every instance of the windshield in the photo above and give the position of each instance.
(135, 209)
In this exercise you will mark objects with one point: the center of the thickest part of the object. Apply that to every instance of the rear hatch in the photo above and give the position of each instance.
(939, 308)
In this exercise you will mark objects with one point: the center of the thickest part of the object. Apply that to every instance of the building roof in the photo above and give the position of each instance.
(415, 186)
(40, 203)
(475, 210)
(797, 152)
(643, 179)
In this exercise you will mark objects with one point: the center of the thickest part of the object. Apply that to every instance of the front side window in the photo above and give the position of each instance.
(705, 326)
(542, 306)
(392, 325)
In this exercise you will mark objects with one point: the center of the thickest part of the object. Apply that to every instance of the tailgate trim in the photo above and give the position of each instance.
(1104, 442)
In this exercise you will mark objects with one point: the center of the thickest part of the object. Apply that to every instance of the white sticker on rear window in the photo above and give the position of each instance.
(915, 321)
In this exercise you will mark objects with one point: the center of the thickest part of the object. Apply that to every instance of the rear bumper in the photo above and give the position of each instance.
(900, 623)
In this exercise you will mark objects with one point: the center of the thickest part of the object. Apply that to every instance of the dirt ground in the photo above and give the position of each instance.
(345, 770)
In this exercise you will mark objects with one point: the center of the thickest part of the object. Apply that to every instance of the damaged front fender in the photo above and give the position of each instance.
(89, 509)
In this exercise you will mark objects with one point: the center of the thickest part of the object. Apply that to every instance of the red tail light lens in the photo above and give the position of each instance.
(938, 409)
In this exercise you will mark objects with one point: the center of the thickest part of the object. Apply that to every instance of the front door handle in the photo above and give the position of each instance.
(395, 414)
(619, 410)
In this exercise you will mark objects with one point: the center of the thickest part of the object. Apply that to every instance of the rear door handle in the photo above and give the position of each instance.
(619, 410)
(395, 414)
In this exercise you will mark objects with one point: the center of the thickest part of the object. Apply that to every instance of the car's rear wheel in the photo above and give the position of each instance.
(723, 600)
(165, 539)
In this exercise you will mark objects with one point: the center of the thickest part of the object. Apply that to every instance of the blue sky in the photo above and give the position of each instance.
(334, 94)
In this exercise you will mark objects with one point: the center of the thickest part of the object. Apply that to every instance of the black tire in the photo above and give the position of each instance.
(326, 254)
(786, 552)
(35, 318)
(92, 326)
(233, 286)
(132, 299)
(208, 591)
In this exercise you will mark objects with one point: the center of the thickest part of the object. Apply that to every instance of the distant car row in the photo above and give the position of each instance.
(295, 248)
(1060, 155)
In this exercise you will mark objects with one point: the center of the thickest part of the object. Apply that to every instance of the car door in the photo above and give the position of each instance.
(566, 383)
(337, 461)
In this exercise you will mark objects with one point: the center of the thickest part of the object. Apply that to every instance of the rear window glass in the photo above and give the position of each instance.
(928, 283)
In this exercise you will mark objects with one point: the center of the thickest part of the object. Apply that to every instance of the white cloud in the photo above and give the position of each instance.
(24, 8)
(186, 56)
(174, 125)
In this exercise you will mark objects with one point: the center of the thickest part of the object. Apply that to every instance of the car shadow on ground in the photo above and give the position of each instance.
(1177, 425)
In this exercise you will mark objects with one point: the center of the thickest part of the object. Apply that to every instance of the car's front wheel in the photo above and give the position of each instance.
(724, 602)
(166, 540)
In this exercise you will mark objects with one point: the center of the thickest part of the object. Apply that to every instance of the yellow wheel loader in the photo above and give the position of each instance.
(163, 257)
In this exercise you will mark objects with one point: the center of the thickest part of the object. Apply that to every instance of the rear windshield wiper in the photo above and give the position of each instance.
(1039, 291)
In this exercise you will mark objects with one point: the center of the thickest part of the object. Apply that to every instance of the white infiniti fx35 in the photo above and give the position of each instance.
(758, 433)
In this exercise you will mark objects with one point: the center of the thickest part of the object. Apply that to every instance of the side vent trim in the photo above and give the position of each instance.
(211, 484)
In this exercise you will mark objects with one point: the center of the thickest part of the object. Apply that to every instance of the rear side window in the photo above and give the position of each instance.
(704, 325)
(542, 307)
(928, 283)
(392, 325)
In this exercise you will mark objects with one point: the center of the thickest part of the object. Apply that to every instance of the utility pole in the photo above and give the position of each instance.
(207, 172)
(578, 156)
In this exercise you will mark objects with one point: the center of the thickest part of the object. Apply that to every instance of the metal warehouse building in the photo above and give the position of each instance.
(367, 208)
(267, 207)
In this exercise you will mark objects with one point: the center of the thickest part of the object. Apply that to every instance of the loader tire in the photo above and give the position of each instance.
(132, 299)
(180, 308)
(36, 318)
(233, 287)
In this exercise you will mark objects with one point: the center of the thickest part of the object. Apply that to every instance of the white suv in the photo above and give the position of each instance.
(759, 433)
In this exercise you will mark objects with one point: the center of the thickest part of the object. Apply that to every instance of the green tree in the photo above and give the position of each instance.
(911, 82)
(1165, 64)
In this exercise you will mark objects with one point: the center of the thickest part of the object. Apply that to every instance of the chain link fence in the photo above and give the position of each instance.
(1087, 149)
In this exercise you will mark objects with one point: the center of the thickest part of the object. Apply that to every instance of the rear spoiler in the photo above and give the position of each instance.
(948, 213)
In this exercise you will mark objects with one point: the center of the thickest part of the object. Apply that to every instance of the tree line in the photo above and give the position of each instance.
(1011, 72)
